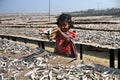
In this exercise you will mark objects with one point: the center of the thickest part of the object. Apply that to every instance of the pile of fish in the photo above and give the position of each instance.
(21, 62)
(99, 37)
(102, 38)
(100, 26)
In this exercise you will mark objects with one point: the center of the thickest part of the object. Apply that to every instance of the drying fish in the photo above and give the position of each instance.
(32, 65)
(48, 31)
(1, 77)
(35, 67)
(50, 75)
(28, 73)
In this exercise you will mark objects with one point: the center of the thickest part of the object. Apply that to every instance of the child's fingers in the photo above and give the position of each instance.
(55, 29)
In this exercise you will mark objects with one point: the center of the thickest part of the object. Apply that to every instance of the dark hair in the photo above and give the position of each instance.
(66, 17)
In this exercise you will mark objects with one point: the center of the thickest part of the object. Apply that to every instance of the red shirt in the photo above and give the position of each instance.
(62, 46)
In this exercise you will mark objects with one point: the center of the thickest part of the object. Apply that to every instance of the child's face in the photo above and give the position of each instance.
(64, 26)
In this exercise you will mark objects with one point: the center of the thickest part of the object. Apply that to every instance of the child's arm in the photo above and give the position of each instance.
(64, 36)
(53, 36)
(58, 31)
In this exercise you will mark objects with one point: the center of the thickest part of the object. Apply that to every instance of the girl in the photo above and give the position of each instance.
(63, 36)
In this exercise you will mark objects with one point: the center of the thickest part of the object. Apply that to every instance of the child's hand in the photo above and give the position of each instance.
(41, 30)
(56, 29)
(54, 33)
(52, 36)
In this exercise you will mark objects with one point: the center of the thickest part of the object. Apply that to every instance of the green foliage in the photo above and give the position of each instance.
(93, 12)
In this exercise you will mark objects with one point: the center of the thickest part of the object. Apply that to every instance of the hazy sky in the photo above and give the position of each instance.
(57, 6)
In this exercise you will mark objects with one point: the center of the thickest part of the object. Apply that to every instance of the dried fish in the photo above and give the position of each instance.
(28, 73)
(36, 67)
(12, 78)
(1, 77)
(50, 75)
(32, 65)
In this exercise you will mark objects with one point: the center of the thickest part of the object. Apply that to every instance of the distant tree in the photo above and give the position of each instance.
(93, 12)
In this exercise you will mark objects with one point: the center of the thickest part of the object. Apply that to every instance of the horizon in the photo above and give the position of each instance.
(43, 13)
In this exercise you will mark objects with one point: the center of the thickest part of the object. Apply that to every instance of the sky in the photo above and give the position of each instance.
(56, 6)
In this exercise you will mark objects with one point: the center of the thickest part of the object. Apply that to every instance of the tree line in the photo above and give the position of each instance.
(93, 12)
